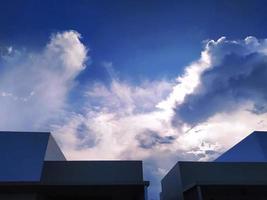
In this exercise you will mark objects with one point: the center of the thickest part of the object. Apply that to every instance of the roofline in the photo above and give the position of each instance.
(225, 163)
(40, 132)
(86, 161)
(255, 132)
(222, 184)
(36, 183)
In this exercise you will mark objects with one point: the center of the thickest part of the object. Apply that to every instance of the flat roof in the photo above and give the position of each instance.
(243, 164)
(222, 173)
(34, 158)
(92, 173)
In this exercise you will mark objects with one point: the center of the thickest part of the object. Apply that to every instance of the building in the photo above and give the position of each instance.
(34, 168)
(239, 173)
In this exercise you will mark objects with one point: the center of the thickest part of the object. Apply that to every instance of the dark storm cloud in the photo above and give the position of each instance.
(238, 74)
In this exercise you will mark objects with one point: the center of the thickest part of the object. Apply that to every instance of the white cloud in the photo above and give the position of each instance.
(126, 121)
(67, 54)
(120, 121)
(114, 116)
(123, 121)
(34, 85)
(187, 82)
(236, 75)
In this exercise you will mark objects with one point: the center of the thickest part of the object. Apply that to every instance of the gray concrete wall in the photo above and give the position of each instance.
(53, 152)
(185, 175)
(92, 172)
(171, 185)
(222, 173)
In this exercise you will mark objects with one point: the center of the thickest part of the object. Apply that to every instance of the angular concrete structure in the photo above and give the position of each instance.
(22, 155)
(240, 173)
(251, 149)
(33, 168)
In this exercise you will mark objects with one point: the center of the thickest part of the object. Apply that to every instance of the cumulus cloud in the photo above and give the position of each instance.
(34, 85)
(236, 75)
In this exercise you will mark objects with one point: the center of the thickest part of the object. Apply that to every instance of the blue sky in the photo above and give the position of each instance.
(147, 39)
(159, 81)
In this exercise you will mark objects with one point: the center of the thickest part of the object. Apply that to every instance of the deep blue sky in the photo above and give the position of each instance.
(143, 39)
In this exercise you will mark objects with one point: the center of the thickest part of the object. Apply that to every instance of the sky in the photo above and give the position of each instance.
(158, 81)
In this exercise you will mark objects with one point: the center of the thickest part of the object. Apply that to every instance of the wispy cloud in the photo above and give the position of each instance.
(34, 85)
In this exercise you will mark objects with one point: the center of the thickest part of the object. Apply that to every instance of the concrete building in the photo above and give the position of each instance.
(34, 168)
(239, 173)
